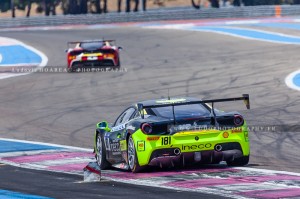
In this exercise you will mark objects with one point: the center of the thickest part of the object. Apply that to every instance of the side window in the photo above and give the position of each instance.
(128, 115)
(125, 116)
(135, 115)
(120, 118)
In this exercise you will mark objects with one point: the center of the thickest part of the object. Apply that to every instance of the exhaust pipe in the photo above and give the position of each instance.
(177, 151)
(218, 148)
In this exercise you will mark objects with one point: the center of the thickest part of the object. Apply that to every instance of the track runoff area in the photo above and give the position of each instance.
(233, 182)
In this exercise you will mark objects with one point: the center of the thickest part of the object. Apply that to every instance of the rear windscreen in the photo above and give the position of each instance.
(92, 45)
(184, 111)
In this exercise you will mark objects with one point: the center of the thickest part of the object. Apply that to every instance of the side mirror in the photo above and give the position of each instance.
(67, 50)
(104, 126)
(120, 48)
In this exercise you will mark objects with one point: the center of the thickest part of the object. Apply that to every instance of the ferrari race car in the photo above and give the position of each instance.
(92, 54)
(169, 132)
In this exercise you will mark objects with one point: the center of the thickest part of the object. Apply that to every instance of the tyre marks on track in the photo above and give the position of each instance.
(231, 29)
(214, 179)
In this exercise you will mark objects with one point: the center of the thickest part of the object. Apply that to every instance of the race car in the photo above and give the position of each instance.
(92, 54)
(173, 131)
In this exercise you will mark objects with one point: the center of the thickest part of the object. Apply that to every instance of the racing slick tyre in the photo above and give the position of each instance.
(101, 153)
(132, 157)
(242, 161)
(119, 63)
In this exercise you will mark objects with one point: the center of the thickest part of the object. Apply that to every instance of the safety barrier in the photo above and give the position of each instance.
(154, 15)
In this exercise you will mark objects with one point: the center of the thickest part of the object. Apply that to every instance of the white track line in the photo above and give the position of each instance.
(39, 53)
(90, 150)
(47, 144)
(188, 28)
(289, 80)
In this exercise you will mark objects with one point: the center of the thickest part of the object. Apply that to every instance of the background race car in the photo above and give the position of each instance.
(93, 54)
(169, 132)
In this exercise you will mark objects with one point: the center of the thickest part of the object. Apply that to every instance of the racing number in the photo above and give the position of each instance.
(165, 140)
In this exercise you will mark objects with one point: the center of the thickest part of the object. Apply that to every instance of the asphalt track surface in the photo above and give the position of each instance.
(56, 185)
(63, 108)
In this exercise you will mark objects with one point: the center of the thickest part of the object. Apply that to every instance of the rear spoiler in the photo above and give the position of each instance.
(245, 98)
(90, 41)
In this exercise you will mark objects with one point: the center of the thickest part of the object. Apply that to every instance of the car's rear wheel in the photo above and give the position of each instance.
(101, 153)
(119, 63)
(242, 161)
(132, 157)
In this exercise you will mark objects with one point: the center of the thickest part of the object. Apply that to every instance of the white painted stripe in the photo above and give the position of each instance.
(63, 161)
(40, 168)
(296, 20)
(14, 41)
(289, 80)
(4, 41)
(262, 31)
(240, 22)
(47, 144)
(90, 150)
(267, 171)
(20, 64)
(249, 187)
(34, 152)
(231, 34)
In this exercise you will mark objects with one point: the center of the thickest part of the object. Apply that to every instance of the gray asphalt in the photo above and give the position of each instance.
(63, 186)
(63, 108)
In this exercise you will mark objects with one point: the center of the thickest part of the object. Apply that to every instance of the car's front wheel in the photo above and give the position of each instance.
(242, 161)
(132, 157)
(101, 153)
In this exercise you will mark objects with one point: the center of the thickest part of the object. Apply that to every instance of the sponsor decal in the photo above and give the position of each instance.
(141, 145)
(115, 147)
(118, 128)
(153, 138)
(123, 145)
(237, 130)
(195, 147)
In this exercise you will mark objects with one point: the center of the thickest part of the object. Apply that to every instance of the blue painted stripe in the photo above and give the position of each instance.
(4, 194)
(10, 146)
(18, 54)
(296, 80)
(253, 34)
(293, 26)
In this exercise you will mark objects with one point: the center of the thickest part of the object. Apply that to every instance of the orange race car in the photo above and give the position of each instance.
(92, 54)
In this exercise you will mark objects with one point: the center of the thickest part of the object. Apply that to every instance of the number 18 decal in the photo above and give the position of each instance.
(165, 140)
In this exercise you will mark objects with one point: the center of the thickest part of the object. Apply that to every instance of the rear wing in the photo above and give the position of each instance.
(245, 98)
(91, 41)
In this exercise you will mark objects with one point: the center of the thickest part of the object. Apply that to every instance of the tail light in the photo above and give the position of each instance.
(238, 120)
(70, 57)
(146, 128)
(73, 54)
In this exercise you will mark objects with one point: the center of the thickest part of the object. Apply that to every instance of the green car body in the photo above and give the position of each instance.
(172, 132)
